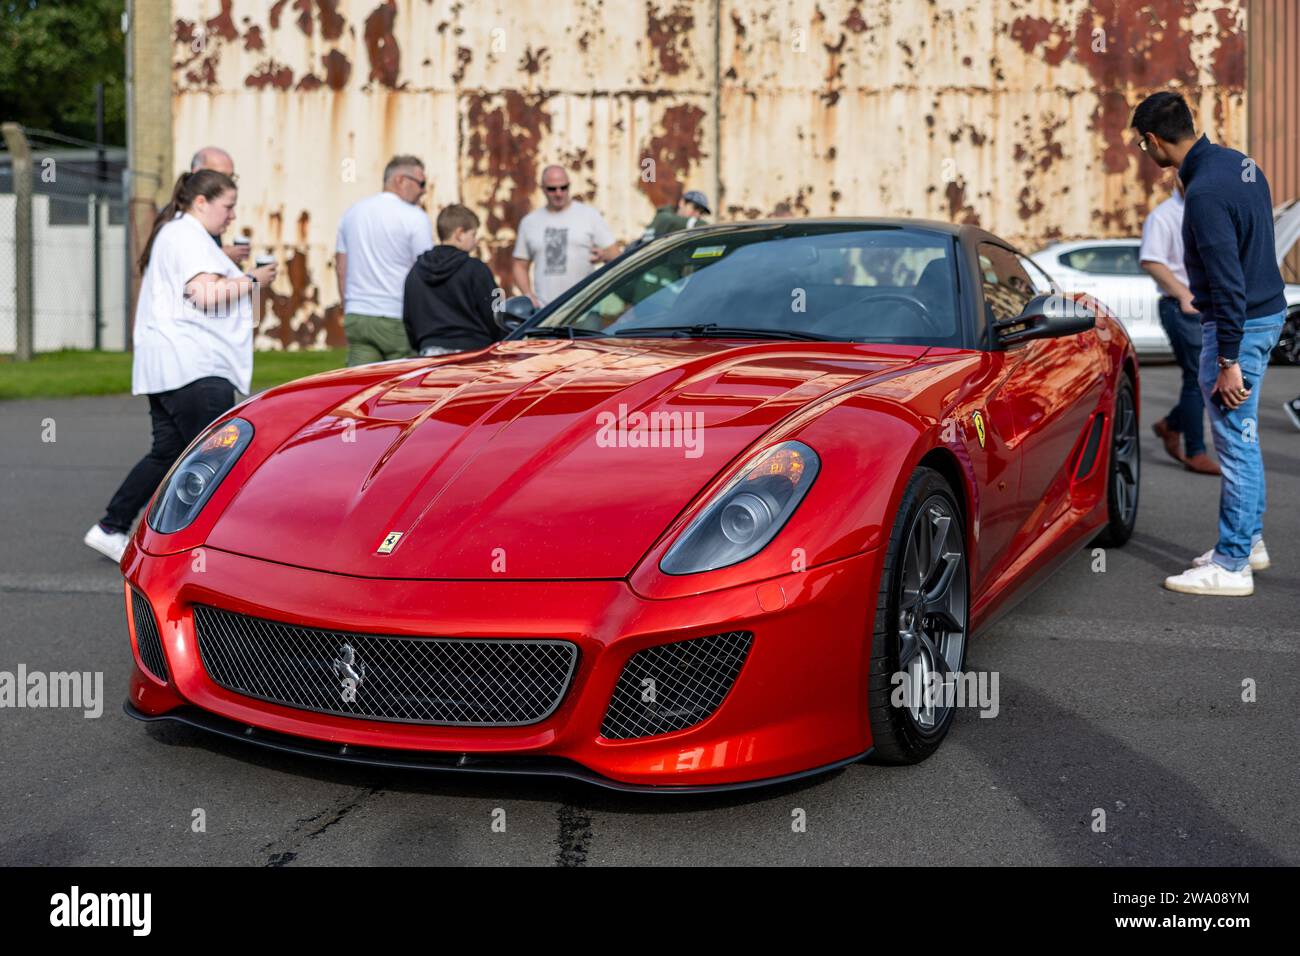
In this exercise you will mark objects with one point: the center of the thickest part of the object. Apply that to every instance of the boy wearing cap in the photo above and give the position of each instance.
(689, 211)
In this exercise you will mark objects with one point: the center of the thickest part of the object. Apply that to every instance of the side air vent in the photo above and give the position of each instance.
(1089, 455)
(147, 638)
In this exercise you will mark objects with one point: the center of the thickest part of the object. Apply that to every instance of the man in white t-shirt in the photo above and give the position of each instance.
(379, 240)
(563, 241)
(1161, 255)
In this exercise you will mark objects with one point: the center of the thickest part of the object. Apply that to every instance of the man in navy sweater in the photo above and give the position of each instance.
(1236, 286)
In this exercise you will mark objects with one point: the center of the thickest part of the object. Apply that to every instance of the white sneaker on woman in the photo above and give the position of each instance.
(111, 544)
(1213, 580)
(1258, 557)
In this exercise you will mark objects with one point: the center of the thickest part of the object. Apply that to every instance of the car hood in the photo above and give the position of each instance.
(529, 460)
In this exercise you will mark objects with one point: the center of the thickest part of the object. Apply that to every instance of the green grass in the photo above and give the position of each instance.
(68, 373)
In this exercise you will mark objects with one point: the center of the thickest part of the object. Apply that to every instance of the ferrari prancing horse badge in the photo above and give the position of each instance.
(979, 427)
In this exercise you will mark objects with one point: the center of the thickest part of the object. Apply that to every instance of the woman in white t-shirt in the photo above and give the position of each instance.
(193, 338)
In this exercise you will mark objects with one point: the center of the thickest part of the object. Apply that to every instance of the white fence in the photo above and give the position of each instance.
(63, 271)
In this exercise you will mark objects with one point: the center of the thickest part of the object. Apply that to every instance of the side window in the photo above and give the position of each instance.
(1007, 286)
(1042, 282)
(1104, 260)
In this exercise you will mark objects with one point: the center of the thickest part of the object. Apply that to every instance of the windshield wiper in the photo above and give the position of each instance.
(713, 330)
(561, 332)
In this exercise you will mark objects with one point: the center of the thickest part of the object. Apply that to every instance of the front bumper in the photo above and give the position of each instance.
(798, 704)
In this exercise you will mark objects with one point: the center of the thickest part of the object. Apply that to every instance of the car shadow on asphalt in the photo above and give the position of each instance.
(1063, 767)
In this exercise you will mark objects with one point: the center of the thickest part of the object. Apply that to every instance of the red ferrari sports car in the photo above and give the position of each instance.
(687, 527)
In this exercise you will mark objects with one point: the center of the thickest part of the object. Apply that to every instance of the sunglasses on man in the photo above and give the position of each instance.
(556, 189)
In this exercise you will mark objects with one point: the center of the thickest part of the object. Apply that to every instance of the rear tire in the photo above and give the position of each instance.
(922, 610)
(1124, 469)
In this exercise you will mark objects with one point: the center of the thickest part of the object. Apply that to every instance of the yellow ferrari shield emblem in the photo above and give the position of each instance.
(979, 427)
(390, 542)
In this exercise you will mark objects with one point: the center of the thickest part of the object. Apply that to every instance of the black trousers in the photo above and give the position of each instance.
(178, 417)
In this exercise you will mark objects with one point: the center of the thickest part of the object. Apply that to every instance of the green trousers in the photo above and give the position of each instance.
(374, 338)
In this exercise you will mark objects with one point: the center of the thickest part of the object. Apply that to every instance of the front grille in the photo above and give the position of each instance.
(424, 680)
(147, 638)
(674, 686)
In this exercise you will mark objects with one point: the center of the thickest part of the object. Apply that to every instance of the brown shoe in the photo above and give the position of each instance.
(1202, 464)
(1172, 439)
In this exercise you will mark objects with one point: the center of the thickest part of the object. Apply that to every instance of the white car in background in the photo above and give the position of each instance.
(1109, 269)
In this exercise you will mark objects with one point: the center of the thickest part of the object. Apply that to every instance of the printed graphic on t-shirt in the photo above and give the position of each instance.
(556, 258)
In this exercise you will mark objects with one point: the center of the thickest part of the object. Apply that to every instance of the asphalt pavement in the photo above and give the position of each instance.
(1115, 696)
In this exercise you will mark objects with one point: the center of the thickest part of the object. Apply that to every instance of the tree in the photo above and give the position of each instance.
(52, 53)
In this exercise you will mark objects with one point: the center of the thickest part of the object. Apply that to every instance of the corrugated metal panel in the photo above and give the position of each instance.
(1274, 97)
(1012, 113)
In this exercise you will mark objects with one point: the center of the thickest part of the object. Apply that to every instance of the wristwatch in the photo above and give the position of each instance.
(1226, 362)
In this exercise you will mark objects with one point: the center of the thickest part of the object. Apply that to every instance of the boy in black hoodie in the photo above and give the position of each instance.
(447, 304)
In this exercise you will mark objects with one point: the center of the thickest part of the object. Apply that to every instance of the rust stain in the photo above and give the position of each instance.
(1131, 50)
(503, 146)
(274, 17)
(331, 21)
(270, 74)
(669, 36)
(200, 66)
(299, 323)
(854, 22)
(464, 56)
(1025, 207)
(304, 224)
(253, 39)
(223, 24)
(674, 151)
(834, 71)
(310, 82)
(958, 210)
(337, 69)
(381, 44)
(1033, 32)
(1229, 60)
(532, 63)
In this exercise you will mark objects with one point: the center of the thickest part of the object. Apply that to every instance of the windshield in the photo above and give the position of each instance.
(844, 282)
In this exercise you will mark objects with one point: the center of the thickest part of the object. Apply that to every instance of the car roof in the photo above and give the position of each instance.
(931, 225)
(1071, 244)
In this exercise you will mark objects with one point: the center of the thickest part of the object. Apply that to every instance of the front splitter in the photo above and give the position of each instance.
(557, 767)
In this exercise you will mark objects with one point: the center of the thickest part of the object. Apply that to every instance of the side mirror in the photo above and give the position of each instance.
(1046, 317)
(517, 310)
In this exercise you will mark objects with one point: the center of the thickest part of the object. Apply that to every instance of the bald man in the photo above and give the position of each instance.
(218, 160)
(563, 242)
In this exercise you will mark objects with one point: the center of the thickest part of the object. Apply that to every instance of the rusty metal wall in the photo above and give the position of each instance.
(1010, 113)
(1274, 101)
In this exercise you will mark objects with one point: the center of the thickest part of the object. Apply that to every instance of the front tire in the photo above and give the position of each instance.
(920, 633)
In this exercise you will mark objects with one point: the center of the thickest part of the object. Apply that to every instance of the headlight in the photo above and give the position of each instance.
(746, 514)
(191, 482)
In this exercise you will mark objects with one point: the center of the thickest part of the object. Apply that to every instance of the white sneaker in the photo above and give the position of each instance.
(1258, 557)
(1214, 580)
(109, 544)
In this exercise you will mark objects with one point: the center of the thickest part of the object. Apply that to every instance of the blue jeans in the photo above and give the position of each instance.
(1236, 439)
(1188, 416)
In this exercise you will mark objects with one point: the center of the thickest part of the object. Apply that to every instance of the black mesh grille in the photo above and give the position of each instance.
(673, 686)
(423, 680)
(147, 637)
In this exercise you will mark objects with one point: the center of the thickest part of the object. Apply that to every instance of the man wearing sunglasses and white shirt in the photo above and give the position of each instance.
(564, 241)
(379, 240)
